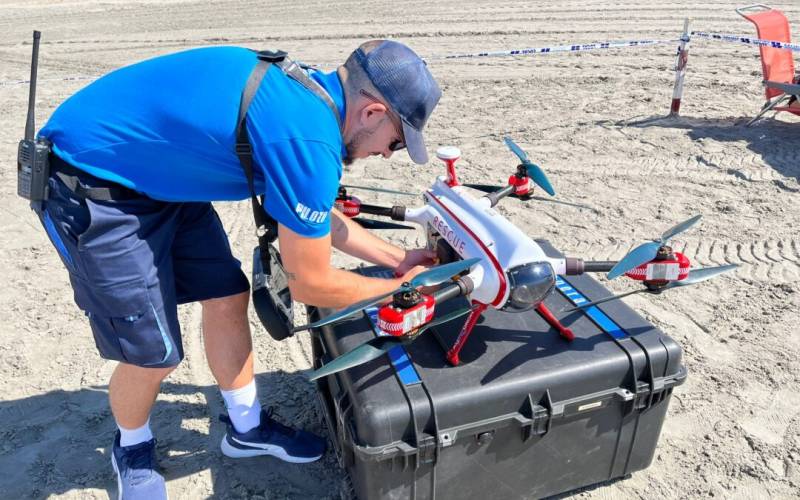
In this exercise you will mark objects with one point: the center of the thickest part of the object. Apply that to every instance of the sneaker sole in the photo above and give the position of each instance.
(119, 478)
(233, 452)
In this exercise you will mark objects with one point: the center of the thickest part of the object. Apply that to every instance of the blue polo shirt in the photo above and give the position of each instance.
(166, 127)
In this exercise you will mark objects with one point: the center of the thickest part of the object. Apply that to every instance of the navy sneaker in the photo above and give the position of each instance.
(136, 475)
(272, 438)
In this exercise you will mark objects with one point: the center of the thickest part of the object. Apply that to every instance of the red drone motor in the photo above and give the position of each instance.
(522, 184)
(348, 205)
(668, 266)
(523, 187)
(406, 313)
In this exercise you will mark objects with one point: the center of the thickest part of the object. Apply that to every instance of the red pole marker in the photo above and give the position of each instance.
(680, 70)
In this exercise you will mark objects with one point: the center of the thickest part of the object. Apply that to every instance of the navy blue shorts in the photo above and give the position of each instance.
(132, 261)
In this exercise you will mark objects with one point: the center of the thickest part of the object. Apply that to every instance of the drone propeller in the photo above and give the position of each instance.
(375, 348)
(648, 251)
(535, 172)
(431, 277)
(695, 276)
(378, 224)
(486, 188)
(380, 190)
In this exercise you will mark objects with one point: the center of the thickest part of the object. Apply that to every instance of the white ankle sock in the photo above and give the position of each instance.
(130, 437)
(243, 407)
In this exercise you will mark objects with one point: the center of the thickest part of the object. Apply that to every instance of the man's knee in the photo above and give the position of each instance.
(144, 374)
(230, 305)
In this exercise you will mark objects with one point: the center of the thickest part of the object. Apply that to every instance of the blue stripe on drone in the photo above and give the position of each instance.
(397, 355)
(599, 317)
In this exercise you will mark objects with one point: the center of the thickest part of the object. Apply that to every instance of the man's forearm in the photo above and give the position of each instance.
(338, 288)
(352, 239)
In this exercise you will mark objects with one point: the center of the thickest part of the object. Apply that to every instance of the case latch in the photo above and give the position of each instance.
(426, 451)
(539, 416)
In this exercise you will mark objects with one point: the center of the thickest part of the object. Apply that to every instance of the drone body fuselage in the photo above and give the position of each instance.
(472, 228)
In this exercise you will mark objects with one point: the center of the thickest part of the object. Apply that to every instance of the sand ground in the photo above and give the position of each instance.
(733, 429)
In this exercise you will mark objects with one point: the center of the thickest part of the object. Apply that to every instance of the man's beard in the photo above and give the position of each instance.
(355, 143)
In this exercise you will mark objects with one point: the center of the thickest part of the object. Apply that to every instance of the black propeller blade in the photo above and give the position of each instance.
(375, 348)
(379, 190)
(486, 188)
(379, 224)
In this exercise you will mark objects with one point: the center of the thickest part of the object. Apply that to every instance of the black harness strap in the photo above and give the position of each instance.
(244, 150)
(266, 226)
(296, 73)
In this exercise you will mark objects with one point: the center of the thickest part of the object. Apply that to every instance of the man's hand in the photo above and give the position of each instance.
(418, 257)
(409, 275)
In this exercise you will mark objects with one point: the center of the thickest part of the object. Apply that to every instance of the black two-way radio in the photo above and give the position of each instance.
(33, 168)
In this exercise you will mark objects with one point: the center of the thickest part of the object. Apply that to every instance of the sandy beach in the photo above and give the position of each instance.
(733, 429)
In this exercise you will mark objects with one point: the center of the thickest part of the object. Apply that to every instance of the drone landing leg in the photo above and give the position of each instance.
(554, 322)
(452, 354)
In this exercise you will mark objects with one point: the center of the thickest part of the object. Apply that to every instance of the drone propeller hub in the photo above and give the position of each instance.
(666, 267)
(398, 321)
(406, 298)
(348, 205)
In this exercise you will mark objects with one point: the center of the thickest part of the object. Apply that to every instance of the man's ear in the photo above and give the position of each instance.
(372, 114)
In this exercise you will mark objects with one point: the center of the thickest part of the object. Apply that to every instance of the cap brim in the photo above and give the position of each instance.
(415, 144)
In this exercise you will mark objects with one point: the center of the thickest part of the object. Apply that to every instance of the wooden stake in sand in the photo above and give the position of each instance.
(680, 70)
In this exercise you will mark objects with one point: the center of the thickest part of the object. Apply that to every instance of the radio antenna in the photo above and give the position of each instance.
(30, 125)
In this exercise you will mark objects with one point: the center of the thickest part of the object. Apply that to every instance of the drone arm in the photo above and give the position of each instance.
(580, 266)
(571, 266)
(462, 286)
(419, 215)
(395, 213)
(495, 197)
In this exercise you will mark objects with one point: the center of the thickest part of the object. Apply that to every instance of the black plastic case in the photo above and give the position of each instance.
(526, 415)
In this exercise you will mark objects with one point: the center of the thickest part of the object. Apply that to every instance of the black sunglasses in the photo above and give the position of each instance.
(395, 145)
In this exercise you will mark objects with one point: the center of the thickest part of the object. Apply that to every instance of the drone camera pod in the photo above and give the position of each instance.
(530, 284)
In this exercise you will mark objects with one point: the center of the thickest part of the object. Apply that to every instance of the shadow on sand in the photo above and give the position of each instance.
(59, 442)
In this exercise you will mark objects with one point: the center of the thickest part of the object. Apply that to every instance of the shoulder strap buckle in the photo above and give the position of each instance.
(272, 56)
(243, 148)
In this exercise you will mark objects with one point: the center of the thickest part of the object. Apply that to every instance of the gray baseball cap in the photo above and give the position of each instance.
(404, 81)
